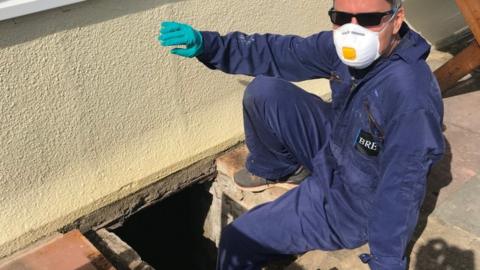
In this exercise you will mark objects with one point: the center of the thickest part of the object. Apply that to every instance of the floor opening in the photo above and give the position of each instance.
(169, 234)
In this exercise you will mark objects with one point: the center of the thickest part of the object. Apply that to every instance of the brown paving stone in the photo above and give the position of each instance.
(71, 251)
(232, 161)
(462, 208)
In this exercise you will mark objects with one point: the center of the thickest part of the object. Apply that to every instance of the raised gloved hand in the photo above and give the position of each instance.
(173, 34)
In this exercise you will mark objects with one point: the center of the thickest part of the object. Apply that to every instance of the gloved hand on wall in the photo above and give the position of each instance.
(174, 34)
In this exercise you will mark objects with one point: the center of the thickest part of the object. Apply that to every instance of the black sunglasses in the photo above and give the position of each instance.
(364, 19)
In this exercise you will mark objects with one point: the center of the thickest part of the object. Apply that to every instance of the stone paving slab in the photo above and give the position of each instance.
(462, 209)
(462, 161)
(71, 251)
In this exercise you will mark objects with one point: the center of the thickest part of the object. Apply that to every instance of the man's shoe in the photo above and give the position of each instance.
(245, 180)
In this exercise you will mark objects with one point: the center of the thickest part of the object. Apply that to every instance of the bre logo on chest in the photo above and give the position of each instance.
(366, 144)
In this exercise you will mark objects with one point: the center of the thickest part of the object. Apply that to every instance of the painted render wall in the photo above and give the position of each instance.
(93, 109)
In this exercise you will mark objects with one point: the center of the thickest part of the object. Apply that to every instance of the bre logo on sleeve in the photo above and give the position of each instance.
(366, 144)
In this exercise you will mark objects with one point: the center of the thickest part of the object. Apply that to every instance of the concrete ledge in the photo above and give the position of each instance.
(115, 214)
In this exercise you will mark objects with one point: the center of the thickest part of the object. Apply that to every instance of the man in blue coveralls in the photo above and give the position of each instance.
(369, 151)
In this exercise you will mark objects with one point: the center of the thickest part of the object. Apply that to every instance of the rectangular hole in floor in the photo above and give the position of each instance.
(169, 234)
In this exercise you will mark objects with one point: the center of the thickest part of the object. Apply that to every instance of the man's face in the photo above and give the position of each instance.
(366, 6)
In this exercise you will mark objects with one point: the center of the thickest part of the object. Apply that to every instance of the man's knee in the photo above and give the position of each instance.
(264, 88)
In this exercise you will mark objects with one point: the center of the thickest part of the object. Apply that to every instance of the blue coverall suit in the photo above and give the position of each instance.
(369, 151)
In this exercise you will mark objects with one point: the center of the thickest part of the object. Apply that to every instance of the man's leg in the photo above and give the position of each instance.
(293, 224)
(285, 127)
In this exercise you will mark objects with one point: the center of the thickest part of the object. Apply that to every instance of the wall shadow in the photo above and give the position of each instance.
(438, 255)
(26, 28)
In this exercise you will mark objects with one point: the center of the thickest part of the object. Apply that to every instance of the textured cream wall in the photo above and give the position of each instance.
(93, 109)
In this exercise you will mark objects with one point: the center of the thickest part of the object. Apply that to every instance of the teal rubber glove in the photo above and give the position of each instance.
(174, 34)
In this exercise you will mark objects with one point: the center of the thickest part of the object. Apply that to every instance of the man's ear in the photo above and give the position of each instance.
(399, 18)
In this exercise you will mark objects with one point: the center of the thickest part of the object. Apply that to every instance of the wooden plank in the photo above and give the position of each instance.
(471, 12)
(459, 66)
(469, 59)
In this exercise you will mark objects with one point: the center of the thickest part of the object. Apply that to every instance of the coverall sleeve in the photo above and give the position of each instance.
(288, 57)
(413, 142)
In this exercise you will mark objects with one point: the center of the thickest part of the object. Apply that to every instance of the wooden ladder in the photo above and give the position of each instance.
(469, 59)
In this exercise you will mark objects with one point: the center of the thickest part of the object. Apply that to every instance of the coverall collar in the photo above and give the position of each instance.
(411, 48)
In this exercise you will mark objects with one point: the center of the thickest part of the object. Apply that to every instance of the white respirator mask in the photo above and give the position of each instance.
(357, 46)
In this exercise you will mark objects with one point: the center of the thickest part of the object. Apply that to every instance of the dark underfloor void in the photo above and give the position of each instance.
(169, 234)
